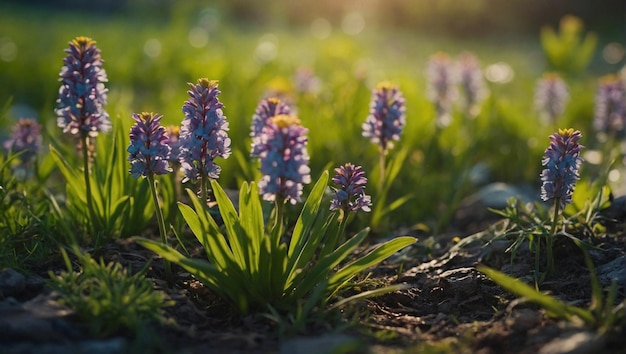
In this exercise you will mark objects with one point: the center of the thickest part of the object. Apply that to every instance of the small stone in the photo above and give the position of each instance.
(523, 320)
(12, 283)
(575, 343)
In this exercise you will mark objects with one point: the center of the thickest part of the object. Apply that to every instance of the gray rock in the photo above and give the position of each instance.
(327, 343)
(615, 214)
(615, 270)
(39, 320)
(12, 283)
(41, 325)
(105, 346)
(575, 343)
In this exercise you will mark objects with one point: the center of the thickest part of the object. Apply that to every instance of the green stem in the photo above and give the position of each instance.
(550, 238)
(279, 214)
(161, 224)
(382, 156)
(341, 234)
(538, 277)
(92, 213)
(204, 187)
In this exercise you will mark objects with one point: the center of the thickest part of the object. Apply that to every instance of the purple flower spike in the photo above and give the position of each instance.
(387, 116)
(25, 138)
(173, 133)
(203, 134)
(82, 96)
(441, 90)
(472, 83)
(610, 106)
(551, 96)
(562, 160)
(266, 109)
(148, 150)
(350, 196)
(284, 159)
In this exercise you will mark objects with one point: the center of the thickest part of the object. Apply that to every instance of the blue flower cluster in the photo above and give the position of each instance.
(441, 90)
(284, 159)
(266, 109)
(350, 194)
(551, 96)
(387, 116)
(148, 150)
(472, 83)
(203, 134)
(562, 161)
(610, 106)
(26, 139)
(82, 96)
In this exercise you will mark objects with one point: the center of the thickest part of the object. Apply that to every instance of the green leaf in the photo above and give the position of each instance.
(380, 253)
(552, 305)
(216, 279)
(251, 218)
(585, 52)
(219, 255)
(236, 233)
(117, 210)
(74, 181)
(369, 294)
(305, 281)
(308, 215)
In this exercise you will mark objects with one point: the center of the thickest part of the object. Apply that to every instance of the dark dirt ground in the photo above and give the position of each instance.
(448, 307)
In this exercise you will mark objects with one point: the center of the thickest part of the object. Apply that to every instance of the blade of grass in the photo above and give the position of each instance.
(551, 304)
(374, 257)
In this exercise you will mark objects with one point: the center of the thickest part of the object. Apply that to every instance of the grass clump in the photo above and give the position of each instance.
(109, 299)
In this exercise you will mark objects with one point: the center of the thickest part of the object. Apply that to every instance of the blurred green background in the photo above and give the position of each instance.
(152, 48)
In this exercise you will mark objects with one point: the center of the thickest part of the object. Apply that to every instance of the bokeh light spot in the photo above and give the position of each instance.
(353, 23)
(267, 49)
(614, 175)
(613, 53)
(198, 37)
(593, 157)
(152, 48)
(500, 73)
(321, 28)
(8, 49)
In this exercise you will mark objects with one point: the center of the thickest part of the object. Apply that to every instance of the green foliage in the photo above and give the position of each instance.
(569, 51)
(249, 266)
(533, 222)
(382, 208)
(121, 203)
(106, 297)
(27, 230)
